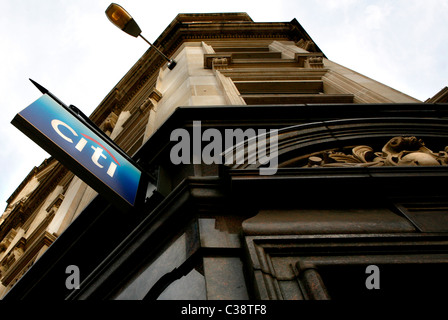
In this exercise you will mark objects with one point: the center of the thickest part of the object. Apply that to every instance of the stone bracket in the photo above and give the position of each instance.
(211, 58)
(312, 60)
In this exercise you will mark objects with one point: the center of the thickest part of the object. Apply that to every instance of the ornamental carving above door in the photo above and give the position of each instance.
(398, 151)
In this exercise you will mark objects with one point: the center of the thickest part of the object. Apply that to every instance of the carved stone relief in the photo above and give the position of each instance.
(310, 60)
(109, 123)
(315, 62)
(147, 104)
(399, 151)
(220, 63)
(307, 45)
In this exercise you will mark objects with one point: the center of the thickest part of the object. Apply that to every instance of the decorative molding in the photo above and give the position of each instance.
(338, 83)
(288, 267)
(55, 204)
(220, 63)
(210, 59)
(150, 102)
(156, 95)
(399, 151)
(208, 49)
(439, 97)
(231, 92)
(313, 60)
(4, 244)
(307, 45)
(147, 104)
(24, 258)
(182, 30)
(110, 122)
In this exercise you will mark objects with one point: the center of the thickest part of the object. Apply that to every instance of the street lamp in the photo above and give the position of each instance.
(124, 21)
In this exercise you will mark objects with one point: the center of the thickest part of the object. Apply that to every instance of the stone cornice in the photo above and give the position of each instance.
(439, 97)
(26, 208)
(194, 27)
(45, 239)
(27, 179)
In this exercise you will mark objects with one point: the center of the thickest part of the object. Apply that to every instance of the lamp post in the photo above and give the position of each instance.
(124, 21)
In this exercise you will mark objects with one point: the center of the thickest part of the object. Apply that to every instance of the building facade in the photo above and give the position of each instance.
(300, 179)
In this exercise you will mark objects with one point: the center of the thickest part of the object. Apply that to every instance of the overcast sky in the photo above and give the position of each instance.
(71, 48)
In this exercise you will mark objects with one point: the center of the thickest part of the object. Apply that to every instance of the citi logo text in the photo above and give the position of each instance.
(98, 157)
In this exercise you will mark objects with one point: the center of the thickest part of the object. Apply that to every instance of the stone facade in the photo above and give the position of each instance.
(228, 65)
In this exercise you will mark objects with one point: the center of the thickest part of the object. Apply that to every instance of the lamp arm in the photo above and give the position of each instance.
(160, 52)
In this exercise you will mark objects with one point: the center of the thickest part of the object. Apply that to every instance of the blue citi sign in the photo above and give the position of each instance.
(85, 153)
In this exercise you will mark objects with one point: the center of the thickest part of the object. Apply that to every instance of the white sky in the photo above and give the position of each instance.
(70, 47)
